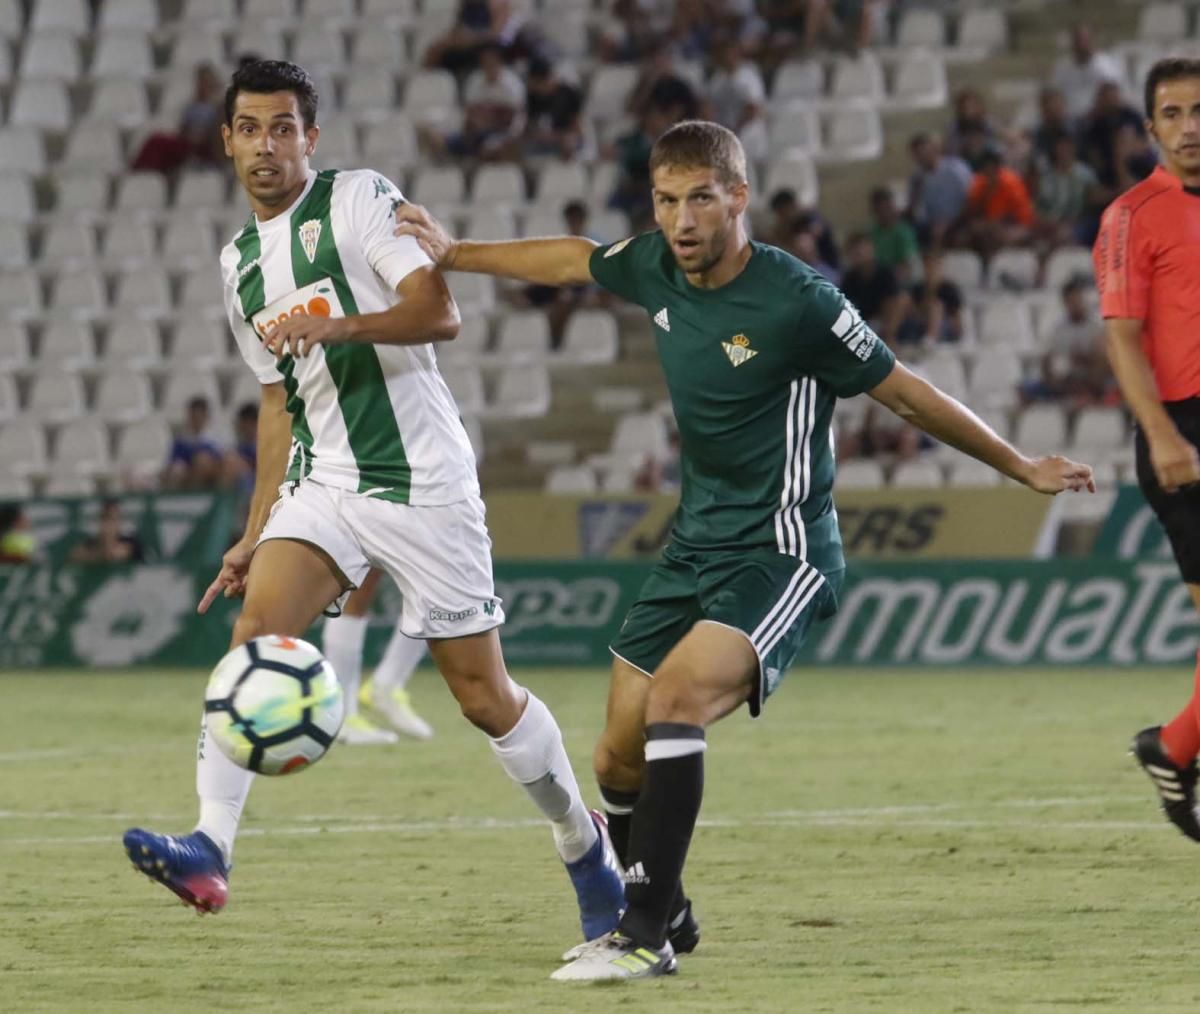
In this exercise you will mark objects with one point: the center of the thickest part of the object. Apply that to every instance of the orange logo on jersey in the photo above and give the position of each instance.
(318, 306)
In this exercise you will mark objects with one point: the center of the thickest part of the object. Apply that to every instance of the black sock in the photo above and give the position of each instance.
(663, 820)
(618, 809)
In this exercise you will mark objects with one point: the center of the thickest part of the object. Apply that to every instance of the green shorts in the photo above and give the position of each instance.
(771, 598)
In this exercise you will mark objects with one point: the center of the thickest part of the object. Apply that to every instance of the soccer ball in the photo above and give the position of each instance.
(273, 705)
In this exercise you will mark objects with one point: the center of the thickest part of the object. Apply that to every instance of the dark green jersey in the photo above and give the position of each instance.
(753, 369)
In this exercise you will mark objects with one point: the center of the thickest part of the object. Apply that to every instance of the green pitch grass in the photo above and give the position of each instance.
(879, 841)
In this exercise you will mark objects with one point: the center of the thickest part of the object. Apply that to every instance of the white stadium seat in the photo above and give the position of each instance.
(9, 406)
(202, 189)
(638, 435)
(93, 145)
(1042, 429)
(80, 292)
(521, 392)
(799, 79)
(202, 292)
(180, 387)
(69, 484)
(795, 126)
(1013, 267)
(1006, 322)
(1100, 429)
(1162, 22)
(282, 10)
(489, 226)
(22, 447)
(14, 346)
(431, 96)
(128, 14)
(122, 101)
(245, 390)
(332, 10)
(964, 268)
(66, 344)
(142, 193)
(318, 47)
(571, 480)
(967, 473)
(945, 372)
(796, 172)
(439, 185)
(132, 343)
(473, 336)
(857, 78)
(144, 291)
(855, 134)
(560, 182)
(921, 27)
(921, 473)
(466, 384)
(198, 43)
(80, 447)
(55, 397)
(859, 474)
(127, 242)
(983, 31)
(122, 396)
(523, 337)
(50, 56)
(1066, 263)
(11, 19)
(919, 82)
(995, 375)
(609, 89)
(495, 185)
(65, 15)
(80, 197)
(200, 341)
(40, 103)
(390, 141)
(368, 96)
(14, 247)
(20, 294)
(590, 337)
(377, 46)
(16, 197)
(22, 150)
(122, 53)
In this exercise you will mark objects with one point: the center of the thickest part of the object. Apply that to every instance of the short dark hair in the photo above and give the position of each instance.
(198, 401)
(1172, 68)
(248, 412)
(575, 207)
(261, 77)
(879, 194)
(921, 137)
(1074, 284)
(701, 144)
(782, 198)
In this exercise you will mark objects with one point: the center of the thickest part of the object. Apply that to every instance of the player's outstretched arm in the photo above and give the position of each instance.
(274, 445)
(917, 401)
(1175, 460)
(554, 260)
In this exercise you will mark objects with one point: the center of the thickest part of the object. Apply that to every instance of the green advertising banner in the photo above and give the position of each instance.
(1131, 531)
(1044, 613)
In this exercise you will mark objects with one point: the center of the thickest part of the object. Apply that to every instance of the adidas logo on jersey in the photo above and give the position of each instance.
(636, 874)
(660, 319)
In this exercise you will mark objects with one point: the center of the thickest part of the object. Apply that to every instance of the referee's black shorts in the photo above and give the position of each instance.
(1179, 512)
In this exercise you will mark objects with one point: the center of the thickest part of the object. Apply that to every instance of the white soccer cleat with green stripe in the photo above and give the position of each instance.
(616, 956)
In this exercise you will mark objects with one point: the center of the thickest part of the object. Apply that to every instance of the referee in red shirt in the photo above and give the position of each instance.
(1147, 259)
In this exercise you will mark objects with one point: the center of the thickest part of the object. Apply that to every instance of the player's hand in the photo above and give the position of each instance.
(431, 236)
(235, 565)
(1055, 474)
(297, 336)
(1175, 460)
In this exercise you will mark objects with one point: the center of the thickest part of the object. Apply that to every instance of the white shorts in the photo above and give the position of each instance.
(440, 557)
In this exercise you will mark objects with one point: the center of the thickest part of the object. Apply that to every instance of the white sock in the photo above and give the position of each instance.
(532, 754)
(222, 787)
(342, 640)
(400, 659)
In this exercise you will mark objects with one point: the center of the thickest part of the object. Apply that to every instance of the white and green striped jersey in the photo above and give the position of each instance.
(376, 419)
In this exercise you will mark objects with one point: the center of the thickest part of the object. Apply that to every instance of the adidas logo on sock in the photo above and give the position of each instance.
(636, 874)
(660, 319)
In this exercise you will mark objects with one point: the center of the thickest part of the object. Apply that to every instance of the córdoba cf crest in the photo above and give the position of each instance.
(310, 233)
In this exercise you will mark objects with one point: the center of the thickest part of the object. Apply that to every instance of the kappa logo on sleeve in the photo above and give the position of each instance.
(616, 248)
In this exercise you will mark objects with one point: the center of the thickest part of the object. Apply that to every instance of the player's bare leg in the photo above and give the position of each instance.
(708, 674)
(526, 740)
(342, 640)
(288, 585)
(1167, 753)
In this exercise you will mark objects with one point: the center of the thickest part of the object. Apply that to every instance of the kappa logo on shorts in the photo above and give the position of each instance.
(446, 616)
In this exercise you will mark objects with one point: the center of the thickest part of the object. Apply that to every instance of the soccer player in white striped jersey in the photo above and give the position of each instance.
(363, 461)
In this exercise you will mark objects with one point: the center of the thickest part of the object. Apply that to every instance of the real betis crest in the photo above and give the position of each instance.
(310, 233)
(738, 349)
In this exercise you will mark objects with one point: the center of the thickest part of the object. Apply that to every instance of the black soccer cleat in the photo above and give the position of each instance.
(1176, 786)
(683, 931)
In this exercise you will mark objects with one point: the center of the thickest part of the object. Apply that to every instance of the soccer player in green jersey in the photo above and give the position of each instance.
(755, 347)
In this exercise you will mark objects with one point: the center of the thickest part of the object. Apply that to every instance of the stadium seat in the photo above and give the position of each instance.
(245, 390)
(855, 134)
(66, 344)
(55, 397)
(945, 371)
(590, 337)
(329, 10)
(14, 487)
(144, 291)
(794, 126)
(1066, 263)
(208, 13)
(496, 224)
(498, 185)
(142, 193)
(9, 405)
(466, 384)
(14, 247)
(609, 90)
(82, 293)
(71, 484)
(559, 182)
(123, 53)
(857, 473)
(50, 56)
(921, 473)
(920, 28)
(67, 243)
(523, 337)
(964, 268)
(919, 82)
(204, 189)
(608, 226)
(546, 220)
(1006, 322)
(431, 96)
(369, 96)
(132, 343)
(567, 33)
(201, 42)
(128, 242)
(20, 294)
(439, 185)
(40, 103)
(376, 46)
(982, 31)
(200, 341)
(121, 101)
(180, 387)
(132, 15)
(16, 198)
(22, 150)
(1013, 269)
(60, 15)
(857, 79)
(390, 141)
(80, 447)
(264, 10)
(798, 79)
(1162, 22)
(318, 47)
(1100, 429)
(79, 197)
(14, 346)
(571, 480)
(796, 172)
(22, 447)
(187, 241)
(473, 336)
(967, 473)
(521, 392)
(11, 19)
(202, 292)
(262, 37)
(1042, 429)
(93, 145)
(995, 375)
(638, 435)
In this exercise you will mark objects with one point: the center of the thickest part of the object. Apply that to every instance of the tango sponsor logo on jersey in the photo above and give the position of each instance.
(316, 300)
(661, 320)
(738, 349)
(854, 333)
(310, 235)
(447, 616)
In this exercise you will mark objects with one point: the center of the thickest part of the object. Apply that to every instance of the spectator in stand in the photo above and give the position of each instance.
(195, 458)
(873, 288)
(737, 97)
(972, 130)
(937, 190)
(240, 462)
(560, 302)
(114, 541)
(935, 310)
(17, 542)
(197, 142)
(999, 212)
(1053, 123)
(636, 28)
(880, 434)
(552, 112)
(803, 244)
(1080, 73)
(812, 221)
(631, 152)
(894, 238)
(1074, 365)
(1108, 137)
(785, 210)
(493, 114)
(481, 23)
(1067, 196)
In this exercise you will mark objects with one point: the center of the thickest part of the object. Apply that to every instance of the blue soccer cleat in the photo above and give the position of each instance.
(191, 865)
(599, 885)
